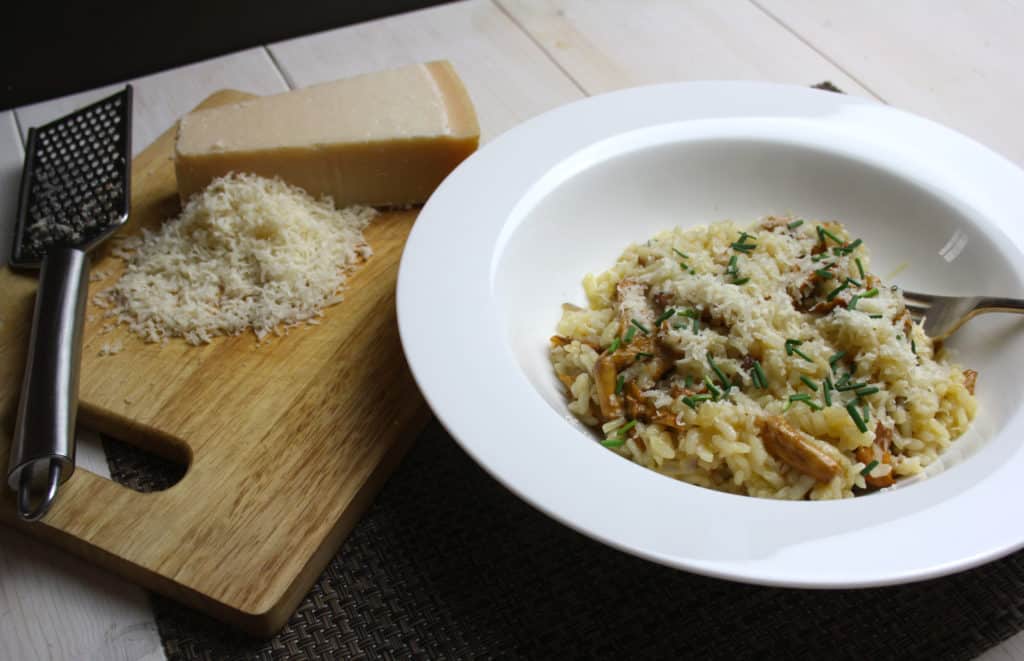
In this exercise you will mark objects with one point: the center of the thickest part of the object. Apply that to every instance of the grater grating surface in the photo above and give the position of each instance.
(74, 189)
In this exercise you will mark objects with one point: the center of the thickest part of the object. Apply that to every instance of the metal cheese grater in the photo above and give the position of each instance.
(74, 193)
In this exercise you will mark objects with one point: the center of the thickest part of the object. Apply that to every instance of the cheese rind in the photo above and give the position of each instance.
(386, 138)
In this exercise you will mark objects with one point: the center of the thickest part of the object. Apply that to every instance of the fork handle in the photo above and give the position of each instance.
(43, 448)
(997, 304)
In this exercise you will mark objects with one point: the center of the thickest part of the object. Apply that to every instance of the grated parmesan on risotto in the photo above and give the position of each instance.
(768, 362)
(247, 252)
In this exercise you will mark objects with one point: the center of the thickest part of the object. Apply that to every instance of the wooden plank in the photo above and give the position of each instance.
(508, 77)
(51, 601)
(608, 44)
(956, 63)
(161, 98)
(58, 607)
(1011, 649)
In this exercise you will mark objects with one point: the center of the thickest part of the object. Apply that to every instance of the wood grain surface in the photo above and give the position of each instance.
(286, 442)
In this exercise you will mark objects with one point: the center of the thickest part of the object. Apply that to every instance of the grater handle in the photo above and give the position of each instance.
(43, 449)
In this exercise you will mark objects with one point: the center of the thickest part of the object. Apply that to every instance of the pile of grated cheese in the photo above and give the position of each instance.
(247, 252)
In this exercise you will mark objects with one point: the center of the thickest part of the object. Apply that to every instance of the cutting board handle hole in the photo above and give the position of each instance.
(140, 470)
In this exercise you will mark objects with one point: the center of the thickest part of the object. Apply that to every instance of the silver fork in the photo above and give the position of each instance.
(943, 315)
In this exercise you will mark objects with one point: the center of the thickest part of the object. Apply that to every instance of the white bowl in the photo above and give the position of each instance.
(509, 235)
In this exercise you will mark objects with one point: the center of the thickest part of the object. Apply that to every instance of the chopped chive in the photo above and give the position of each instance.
(803, 355)
(820, 256)
(643, 354)
(744, 247)
(913, 347)
(875, 316)
(823, 274)
(853, 246)
(743, 237)
(679, 326)
(681, 254)
(824, 232)
(615, 345)
(843, 387)
(619, 382)
(667, 314)
(693, 401)
(630, 332)
(871, 293)
(864, 392)
(696, 325)
(870, 467)
(791, 348)
(826, 389)
(620, 439)
(689, 312)
(714, 368)
(643, 328)
(853, 302)
(715, 392)
(732, 264)
(855, 283)
(685, 267)
(795, 224)
(843, 380)
(835, 292)
(860, 269)
(760, 375)
(807, 382)
(805, 398)
(688, 381)
(851, 408)
(755, 379)
(835, 358)
(741, 281)
(866, 410)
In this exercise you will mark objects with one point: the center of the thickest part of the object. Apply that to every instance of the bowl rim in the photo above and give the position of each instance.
(465, 227)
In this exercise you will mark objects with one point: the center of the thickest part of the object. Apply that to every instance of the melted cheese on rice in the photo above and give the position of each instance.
(799, 301)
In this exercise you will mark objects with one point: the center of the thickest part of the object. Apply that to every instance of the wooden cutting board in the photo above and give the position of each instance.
(286, 442)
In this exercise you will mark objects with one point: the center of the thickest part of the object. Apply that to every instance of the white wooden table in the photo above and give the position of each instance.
(955, 62)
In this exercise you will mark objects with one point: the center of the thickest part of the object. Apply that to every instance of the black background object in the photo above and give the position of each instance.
(50, 49)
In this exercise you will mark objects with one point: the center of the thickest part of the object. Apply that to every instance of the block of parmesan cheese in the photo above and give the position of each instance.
(386, 138)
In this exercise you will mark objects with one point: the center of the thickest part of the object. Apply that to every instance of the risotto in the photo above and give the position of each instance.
(768, 361)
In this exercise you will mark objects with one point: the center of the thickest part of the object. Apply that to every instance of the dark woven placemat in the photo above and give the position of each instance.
(447, 563)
